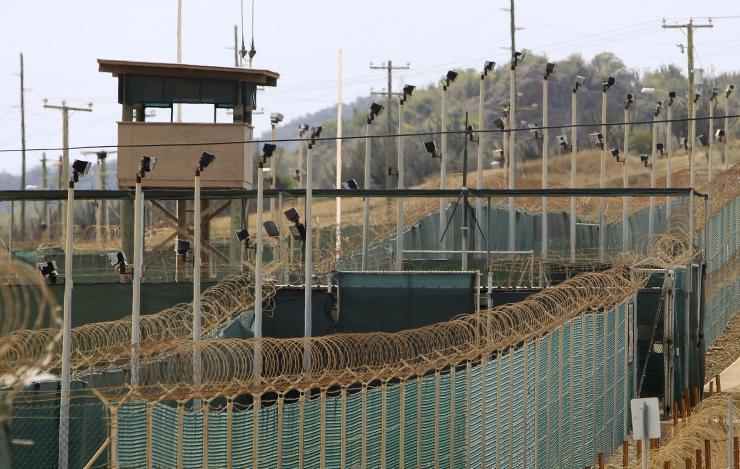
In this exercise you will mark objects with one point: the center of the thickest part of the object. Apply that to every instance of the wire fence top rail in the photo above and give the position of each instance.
(187, 194)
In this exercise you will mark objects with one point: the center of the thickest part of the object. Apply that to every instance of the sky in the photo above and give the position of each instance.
(61, 41)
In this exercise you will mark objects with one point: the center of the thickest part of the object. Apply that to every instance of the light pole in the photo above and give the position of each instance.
(449, 78)
(625, 175)
(488, 66)
(79, 168)
(710, 137)
(146, 164)
(375, 110)
(275, 119)
(577, 83)
(605, 85)
(549, 69)
(515, 60)
(653, 170)
(308, 247)
(725, 124)
(206, 159)
(408, 91)
(267, 153)
(302, 129)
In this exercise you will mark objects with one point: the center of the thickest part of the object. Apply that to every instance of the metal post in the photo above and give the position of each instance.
(63, 459)
(602, 181)
(399, 203)
(653, 176)
(308, 274)
(99, 205)
(545, 175)
(725, 124)
(273, 178)
(479, 171)
(730, 432)
(443, 167)
(464, 224)
(710, 136)
(626, 181)
(365, 200)
(645, 439)
(512, 155)
(136, 280)
(668, 138)
(196, 280)
(258, 270)
(573, 149)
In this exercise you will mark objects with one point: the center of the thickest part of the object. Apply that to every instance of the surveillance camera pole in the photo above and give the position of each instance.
(512, 152)
(545, 176)
(710, 136)
(573, 150)
(308, 273)
(626, 179)
(197, 366)
(464, 225)
(653, 174)
(365, 200)
(443, 167)
(479, 170)
(399, 203)
(725, 125)
(668, 138)
(136, 281)
(258, 272)
(602, 179)
(273, 177)
(64, 403)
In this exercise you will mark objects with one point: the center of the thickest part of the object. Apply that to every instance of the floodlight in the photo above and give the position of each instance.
(375, 110)
(48, 270)
(608, 83)
(578, 82)
(471, 134)
(596, 139)
(487, 67)
(296, 174)
(562, 140)
(630, 100)
(205, 160)
(182, 247)
(292, 215)
(658, 107)
(350, 184)
(645, 159)
(685, 142)
(498, 157)
(431, 148)
(44, 227)
(116, 258)
(315, 133)
(534, 129)
(147, 164)
(451, 75)
(659, 147)
(697, 95)
(549, 69)
(703, 140)
(672, 94)
(102, 154)
(80, 168)
(408, 90)
(728, 90)
(615, 154)
(268, 149)
(298, 231)
(276, 118)
(242, 235)
(498, 123)
(720, 135)
(271, 229)
(517, 59)
(715, 93)
(302, 129)
(647, 90)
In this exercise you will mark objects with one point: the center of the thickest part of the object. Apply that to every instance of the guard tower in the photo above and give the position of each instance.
(143, 85)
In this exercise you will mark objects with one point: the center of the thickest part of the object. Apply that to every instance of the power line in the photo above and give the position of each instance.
(358, 137)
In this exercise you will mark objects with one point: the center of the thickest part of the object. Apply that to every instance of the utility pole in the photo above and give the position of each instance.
(513, 28)
(178, 106)
(64, 167)
(236, 46)
(22, 230)
(690, 93)
(388, 67)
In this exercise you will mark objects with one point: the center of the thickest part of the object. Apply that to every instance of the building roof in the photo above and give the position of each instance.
(158, 69)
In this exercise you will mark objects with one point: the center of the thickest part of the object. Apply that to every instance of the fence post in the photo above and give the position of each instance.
(229, 431)
(256, 406)
(707, 454)
(363, 454)
(114, 436)
(322, 429)
(180, 430)
(301, 419)
(149, 412)
(279, 448)
(469, 411)
(730, 431)
(205, 409)
(419, 417)
(342, 429)
(401, 423)
(453, 384)
(436, 420)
